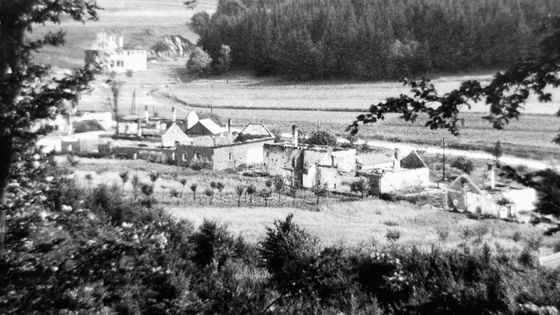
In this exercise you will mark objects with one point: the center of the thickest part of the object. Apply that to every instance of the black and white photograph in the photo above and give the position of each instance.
(337, 157)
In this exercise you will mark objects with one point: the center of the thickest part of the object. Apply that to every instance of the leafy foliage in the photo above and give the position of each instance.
(377, 39)
(321, 137)
(461, 163)
(505, 94)
(199, 63)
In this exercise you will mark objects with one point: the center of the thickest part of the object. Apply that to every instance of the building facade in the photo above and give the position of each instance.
(109, 51)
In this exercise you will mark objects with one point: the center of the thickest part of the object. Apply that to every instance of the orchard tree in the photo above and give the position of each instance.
(115, 87)
(239, 190)
(497, 151)
(30, 92)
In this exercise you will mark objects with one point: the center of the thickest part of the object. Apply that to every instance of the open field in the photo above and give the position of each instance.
(241, 91)
(362, 222)
(336, 220)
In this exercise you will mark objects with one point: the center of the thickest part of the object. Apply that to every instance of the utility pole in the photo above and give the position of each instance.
(133, 107)
(443, 149)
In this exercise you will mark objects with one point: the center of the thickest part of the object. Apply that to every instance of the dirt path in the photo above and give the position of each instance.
(479, 155)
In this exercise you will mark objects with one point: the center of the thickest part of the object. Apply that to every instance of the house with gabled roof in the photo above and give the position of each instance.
(396, 174)
(464, 195)
(206, 127)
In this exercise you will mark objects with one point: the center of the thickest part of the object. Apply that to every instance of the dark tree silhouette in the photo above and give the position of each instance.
(27, 90)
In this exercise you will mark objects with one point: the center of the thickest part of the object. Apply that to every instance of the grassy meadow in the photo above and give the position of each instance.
(336, 220)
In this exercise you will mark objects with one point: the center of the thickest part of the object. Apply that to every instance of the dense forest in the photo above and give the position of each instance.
(372, 39)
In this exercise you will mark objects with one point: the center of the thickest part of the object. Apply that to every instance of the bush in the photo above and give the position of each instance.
(288, 253)
(388, 197)
(390, 223)
(443, 235)
(393, 235)
(461, 163)
(321, 137)
(516, 236)
(212, 243)
(199, 62)
(534, 242)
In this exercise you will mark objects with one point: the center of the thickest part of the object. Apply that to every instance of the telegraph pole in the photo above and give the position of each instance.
(443, 149)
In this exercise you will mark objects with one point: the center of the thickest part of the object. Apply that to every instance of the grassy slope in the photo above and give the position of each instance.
(142, 22)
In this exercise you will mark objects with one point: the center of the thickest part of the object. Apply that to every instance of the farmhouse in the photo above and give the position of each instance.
(464, 195)
(309, 166)
(246, 149)
(109, 51)
(389, 176)
(216, 153)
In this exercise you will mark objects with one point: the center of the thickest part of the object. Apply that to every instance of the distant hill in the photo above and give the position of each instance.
(142, 22)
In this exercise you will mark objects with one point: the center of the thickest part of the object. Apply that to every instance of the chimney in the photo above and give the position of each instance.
(174, 119)
(229, 126)
(492, 176)
(139, 129)
(294, 135)
(120, 43)
(146, 114)
(397, 160)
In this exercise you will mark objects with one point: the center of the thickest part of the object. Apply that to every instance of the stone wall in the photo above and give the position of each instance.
(345, 160)
(389, 182)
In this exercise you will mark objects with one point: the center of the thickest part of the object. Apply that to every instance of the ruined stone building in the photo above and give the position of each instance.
(109, 51)
(308, 166)
(392, 174)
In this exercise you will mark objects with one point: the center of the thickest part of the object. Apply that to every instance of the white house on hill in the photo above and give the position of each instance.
(109, 50)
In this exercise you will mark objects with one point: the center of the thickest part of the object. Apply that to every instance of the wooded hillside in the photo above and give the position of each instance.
(372, 39)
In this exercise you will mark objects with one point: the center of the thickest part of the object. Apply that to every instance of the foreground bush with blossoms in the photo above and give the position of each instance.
(77, 251)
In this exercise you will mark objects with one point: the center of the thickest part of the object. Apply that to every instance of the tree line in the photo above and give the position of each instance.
(379, 39)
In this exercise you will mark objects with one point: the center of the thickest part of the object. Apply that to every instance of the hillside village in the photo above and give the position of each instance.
(186, 139)
(262, 157)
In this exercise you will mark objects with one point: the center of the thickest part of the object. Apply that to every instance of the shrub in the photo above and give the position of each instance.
(516, 236)
(393, 235)
(321, 137)
(461, 163)
(526, 258)
(556, 247)
(534, 242)
(388, 197)
(548, 192)
(288, 253)
(443, 235)
(212, 243)
(467, 233)
(380, 274)
(199, 62)
(480, 230)
(390, 223)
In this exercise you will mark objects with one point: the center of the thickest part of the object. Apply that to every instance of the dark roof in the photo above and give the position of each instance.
(205, 127)
(413, 160)
(86, 126)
